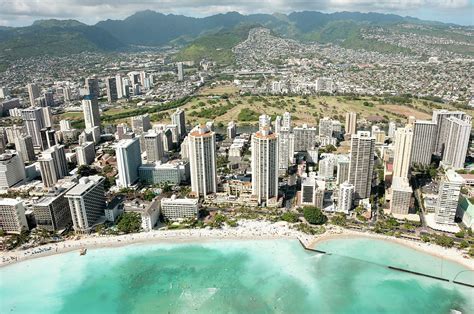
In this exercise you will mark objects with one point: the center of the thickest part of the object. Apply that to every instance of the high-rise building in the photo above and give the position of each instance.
(53, 165)
(153, 146)
(277, 124)
(140, 124)
(111, 87)
(86, 202)
(119, 85)
(128, 161)
(392, 127)
(362, 163)
(24, 146)
(424, 137)
(33, 93)
(402, 151)
(286, 148)
(401, 196)
(231, 130)
(265, 165)
(286, 121)
(202, 158)
(351, 123)
(264, 121)
(457, 142)
(345, 199)
(52, 211)
(448, 197)
(47, 117)
(342, 169)
(440, 118)
(312, 191)
(378, 134)
(12, 169)
(179, 119)
(327, 163)
(326, 127)
(92, 85)
(12, 216)
(48, 138)
(90, 106)
(180, 71)
(65, 125)
(85, 153)
(305, 138)
(33, 120)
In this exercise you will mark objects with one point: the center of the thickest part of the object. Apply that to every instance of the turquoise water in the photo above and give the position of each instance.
(231, 277)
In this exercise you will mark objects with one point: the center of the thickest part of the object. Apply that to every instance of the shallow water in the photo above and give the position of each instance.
(268, 276)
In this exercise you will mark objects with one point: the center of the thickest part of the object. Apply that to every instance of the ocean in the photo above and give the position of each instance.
(263, 276)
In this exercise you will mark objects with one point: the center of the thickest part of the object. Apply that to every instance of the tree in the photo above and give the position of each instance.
(290, 217)
(314, 215)
(148, 195)
(444, 241)
(339, 220)
(85, 171)
(129, 222)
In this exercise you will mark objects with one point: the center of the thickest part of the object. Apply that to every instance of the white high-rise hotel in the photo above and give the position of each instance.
(402, 152)
(265, 165)
(128, 161)
(362, 163)
(457, 142)
(202, 160)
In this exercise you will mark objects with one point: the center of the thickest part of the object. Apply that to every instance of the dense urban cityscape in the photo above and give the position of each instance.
(291, 139)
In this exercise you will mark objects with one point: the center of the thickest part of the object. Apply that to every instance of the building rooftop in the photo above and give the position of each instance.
(84, 185)
(10, 201)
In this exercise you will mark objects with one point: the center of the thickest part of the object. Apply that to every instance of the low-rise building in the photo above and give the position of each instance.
(179, 208)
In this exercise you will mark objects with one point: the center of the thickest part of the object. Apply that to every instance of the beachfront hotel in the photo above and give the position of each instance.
(12, 216)
(202, 159)
(128, 161)
(179, 208)
(362, 163)
(265, 165)
(87, 202)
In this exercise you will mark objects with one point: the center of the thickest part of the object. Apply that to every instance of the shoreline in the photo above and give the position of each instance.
(451, 254)
(247, 230)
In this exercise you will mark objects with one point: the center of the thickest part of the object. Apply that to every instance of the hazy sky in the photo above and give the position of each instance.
(24, 12)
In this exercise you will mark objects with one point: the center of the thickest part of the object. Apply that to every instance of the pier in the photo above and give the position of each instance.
(393, 267)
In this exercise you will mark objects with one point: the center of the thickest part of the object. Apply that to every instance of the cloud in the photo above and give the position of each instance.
(23, 12)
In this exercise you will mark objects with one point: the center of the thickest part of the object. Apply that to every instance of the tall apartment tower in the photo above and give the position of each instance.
(264, 121)
(86, 202)
(202, 160)
(265, 165)
(92, 84)
(345, 198)
(179, 119)
(424, 137)
(440, 118)
(401, 196)
(33, 120)
(12, 169)
(90, 107)
(53, 165)
(305, 138)
(128, 161)
(24, 146)
(180, 71)
(12, 216)
(119, 86)
(85, 153)
(457, 142)
(402, 151)
(140, 124)
(448, 197)
(33, 93)
(154, 146)
(342, 169)
(326, 127)
(286, 148)
(111, 86)
(362, 163)
(52, 211)
(231, 130)
(286, 121)
(351, 123)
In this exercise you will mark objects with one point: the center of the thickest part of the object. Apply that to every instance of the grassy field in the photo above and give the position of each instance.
(224, 103)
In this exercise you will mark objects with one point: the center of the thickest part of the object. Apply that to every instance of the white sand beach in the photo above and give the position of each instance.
(246, 230)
